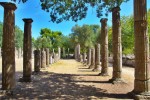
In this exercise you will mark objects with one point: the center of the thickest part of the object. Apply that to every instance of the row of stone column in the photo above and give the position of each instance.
(43, 59)
(142, 73)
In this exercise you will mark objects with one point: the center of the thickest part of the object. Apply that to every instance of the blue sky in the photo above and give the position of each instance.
(32, 9)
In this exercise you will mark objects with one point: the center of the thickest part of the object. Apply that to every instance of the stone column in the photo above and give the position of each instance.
(50, 56)
(75, 52)
(142, 64)
(37, 60)
(92, 58)
(8, 46)
(117, 47)
(97, 58)
(64, 54)
(104, 47)
(59, 52)
(47, 57)
(43, 59)
(78, 52)
(84, 57)
(89, 57)
(27, 51)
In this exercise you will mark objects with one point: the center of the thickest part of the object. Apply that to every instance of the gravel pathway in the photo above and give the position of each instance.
(71, 80)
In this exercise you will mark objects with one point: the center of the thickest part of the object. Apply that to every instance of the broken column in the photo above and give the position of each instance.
(37, 60)
(47, 57)
(59, 52)
(89, 57)
(142, 64)
(97, 57)
(8, 46)
(78, 52)
(92, 58)
(84, 57)
(27, 51)
(104, 47)
(43, 59)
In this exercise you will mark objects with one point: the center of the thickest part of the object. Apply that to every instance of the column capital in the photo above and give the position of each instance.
(8, 5)
(27, 20)
(103, 20)
(115, 9)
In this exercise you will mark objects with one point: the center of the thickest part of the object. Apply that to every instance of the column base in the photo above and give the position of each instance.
(116, 81)
(140, 96)
(25, 79)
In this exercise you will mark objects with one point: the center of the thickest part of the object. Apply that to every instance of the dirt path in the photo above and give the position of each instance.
(71, 80)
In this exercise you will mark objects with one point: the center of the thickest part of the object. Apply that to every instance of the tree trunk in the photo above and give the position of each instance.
(142, 66)
(104, 47)
(8, 47)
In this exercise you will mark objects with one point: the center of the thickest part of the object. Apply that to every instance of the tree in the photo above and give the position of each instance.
(76, 9)
(85, 35)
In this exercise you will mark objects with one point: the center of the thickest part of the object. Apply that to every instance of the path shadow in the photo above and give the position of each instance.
(47, 85)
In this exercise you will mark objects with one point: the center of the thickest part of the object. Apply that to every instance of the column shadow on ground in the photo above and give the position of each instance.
(47, 85)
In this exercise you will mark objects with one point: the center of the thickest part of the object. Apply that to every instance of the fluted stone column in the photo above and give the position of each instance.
(142, 64)
(104, 47)
(37, 60)
(92, 58)
(97, 58)
(8, 46)
(27, 51)
(47, 57)
(43, 59)
(89, 57)
(117, 47)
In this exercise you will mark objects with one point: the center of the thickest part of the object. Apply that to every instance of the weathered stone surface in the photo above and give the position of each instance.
(117, 47)
(142, 64)
(8, 46)
(47, 57)
(43, 59)
(78, 52)
(104, 47)
(37, 60)
(50, 59)
(97, 58)
(89, 57)
(84, 57)
(59, 52)
(27, 51)
(92, 58)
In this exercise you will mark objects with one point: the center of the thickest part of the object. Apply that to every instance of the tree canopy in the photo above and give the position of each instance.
(75, 10)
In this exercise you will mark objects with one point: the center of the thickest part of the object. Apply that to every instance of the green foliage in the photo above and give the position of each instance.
(127, 34)
(76, 9)
(84, 35)
(18, 36)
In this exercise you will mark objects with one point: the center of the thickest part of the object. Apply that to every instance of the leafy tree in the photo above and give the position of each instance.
(85, 35)
(18, 37)
(76, 9)
(127, 34)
